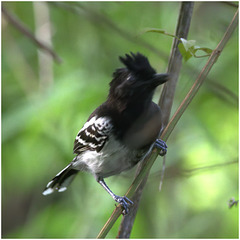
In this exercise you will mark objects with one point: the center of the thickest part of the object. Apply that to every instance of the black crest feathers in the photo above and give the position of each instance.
(137, 64)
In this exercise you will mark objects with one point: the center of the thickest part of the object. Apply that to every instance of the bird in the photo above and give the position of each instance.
(121, 132)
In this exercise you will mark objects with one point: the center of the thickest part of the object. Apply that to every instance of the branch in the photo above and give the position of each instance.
(24, 30)
(96, 17)
(167, 96)
(147, 164)
(175, 63)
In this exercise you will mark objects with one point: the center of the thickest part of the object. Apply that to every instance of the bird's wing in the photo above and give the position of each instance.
(93, 134)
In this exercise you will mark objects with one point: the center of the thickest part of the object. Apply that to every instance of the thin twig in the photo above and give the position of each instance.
(23, 29)
(162, 173)
(175, 63)
(150, 160)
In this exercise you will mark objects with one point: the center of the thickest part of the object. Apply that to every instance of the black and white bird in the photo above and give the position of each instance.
(120, 132)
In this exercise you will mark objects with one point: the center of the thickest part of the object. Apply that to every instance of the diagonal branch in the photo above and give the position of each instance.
(96, 17)
(23, 29)
(147, 164)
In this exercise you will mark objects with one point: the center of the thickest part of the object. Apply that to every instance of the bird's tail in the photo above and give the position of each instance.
(61, 181)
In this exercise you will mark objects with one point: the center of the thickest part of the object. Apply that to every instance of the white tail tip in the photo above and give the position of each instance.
(48, 191)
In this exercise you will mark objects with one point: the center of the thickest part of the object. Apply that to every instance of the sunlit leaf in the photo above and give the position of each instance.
(188, 49)
(188, 43)
(186, 54)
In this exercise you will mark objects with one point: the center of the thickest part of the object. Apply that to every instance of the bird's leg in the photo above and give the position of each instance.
(160, 144)
(124, 201)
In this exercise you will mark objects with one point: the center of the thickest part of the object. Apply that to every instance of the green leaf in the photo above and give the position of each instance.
(188, 43)
(188, 49)
(186, 54)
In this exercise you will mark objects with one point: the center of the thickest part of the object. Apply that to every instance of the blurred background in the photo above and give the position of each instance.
(45, 102)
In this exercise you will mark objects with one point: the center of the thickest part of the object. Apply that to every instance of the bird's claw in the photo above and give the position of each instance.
(160, 144)
(125, 203)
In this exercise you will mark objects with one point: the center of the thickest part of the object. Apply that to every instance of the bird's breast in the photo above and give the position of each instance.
(145, 130)
(111, 160)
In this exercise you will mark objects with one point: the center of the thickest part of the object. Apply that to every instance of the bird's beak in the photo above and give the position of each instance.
(160, 78)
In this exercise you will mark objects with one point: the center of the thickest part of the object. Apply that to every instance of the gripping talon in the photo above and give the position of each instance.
(160, 144)
(125, 203)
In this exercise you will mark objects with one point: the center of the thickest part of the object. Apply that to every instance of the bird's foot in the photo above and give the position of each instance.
(124, 202)
(160, 144)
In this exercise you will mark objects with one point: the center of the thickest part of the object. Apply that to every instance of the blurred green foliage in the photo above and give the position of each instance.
(44, 104)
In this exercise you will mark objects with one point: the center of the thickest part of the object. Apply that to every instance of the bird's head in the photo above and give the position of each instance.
(137, 80)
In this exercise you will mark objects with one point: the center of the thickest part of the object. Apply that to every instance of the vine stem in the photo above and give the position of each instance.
(148, 162)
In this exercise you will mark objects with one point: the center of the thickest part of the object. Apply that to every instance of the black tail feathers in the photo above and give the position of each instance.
(61, 181)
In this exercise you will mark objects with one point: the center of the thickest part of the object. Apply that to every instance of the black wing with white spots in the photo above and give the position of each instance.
(93, 135)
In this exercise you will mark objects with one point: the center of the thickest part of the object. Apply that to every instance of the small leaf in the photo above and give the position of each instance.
(190, 49)
(186, 54)
(188, 43)
(187, 48)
